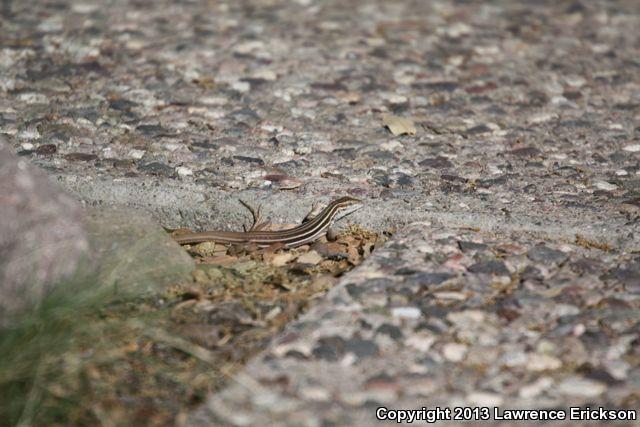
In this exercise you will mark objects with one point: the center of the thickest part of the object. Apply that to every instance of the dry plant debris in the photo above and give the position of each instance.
(151, 361)
(399, 125)
(591, 244)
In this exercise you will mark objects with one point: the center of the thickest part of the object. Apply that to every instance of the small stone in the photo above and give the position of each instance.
(122, 105)
(545, 347)
(514, 358)
(406, 312)
(484, 399)
(629, 277)
(47, 149)
(542, 362)
(630, 205)
(151, 130)
(618, 369)
(184, 171)
(457, 30)
(82, 157)
(525, 152)
(633, 148)
(542, 118)
(137, 154)
(471, 246)
(241, 86)
(543, 254)
(265, 74)
(426, 279)
(249, 47)
(33, 98)
(421, 341)
(157, 168)
(329, 86)
(282, 181)
(315, 394)
(311, 257)
(493, 267)
(421, 387)
(479, 129)
(535, 388)
(246, 115)
(391, 145)
(581, 387)
(329, 348)
(597, 373)
(454, 352)
(467, 318)
(361, 347)
(391, 330)
(575, 81)
(248, 159)
(438, 162)
(606, 186)
(396, 99)
(458, 296)
(331, 250)
(561, 310)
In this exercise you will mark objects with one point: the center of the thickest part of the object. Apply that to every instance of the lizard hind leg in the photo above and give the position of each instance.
(255, 214)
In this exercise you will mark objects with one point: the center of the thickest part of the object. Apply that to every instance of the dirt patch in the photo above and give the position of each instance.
(149, 361)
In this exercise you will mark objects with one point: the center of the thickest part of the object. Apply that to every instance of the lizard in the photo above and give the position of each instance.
(312, 228)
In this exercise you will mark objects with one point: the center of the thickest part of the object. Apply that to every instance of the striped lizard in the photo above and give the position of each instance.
(312, 228)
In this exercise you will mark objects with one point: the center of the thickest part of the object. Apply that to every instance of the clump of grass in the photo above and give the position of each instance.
(96, 355)
(31, 340)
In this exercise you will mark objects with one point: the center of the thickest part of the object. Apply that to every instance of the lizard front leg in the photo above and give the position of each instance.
(332, 234)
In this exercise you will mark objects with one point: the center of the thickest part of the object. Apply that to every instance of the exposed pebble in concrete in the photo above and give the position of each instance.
(538, 338)
(524, 114)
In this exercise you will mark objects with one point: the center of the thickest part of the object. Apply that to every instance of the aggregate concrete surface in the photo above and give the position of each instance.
(519, 281)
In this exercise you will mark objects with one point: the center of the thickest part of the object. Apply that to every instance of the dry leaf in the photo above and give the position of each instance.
(352, 255)
(587, 243)
(323, 282)
(280, 260)
(209, 249)
(282, 181)
(328, 250)
(311, 257)
(399, 125)
(223, 260)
